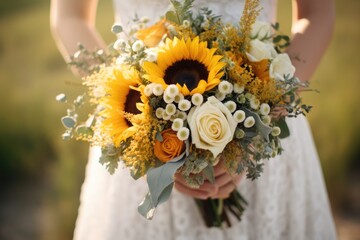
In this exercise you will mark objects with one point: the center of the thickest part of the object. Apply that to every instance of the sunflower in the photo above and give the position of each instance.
(123, 98)
(189, 64)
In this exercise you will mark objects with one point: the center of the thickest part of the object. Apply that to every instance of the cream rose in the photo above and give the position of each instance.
(261, 30)
(281, 66)
(260, 51)
(212, 126)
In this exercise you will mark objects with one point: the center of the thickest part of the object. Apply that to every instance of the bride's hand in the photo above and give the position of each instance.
(222, 187)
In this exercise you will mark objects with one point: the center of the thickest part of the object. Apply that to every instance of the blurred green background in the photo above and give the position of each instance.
(41, 175)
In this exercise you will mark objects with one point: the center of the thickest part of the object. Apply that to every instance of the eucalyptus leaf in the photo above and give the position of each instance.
(263, 129)
(285, 131)
(161, 177)
(159, 137)
(146, 208)
(116, 28)
(68, 122)
(84, 130)
(171, 16)
(209, 173)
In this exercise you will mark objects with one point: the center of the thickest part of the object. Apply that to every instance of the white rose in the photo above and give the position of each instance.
(260, 51)
(281, 66)
(261, 30)
(212, 126)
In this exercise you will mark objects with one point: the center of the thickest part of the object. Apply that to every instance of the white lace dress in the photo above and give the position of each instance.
(289, 200)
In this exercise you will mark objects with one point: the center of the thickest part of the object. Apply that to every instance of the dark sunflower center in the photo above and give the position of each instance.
(186, 72)
(130, 105)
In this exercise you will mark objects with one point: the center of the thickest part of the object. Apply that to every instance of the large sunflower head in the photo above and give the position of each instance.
(189, 64)
(122, 97)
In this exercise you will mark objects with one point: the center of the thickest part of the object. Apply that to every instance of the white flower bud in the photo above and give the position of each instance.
(238, 89)
(231, 105)
(178, 97)
(158, 89)
(266, 119)
(119, 44)
(225, 87)
(275, 131)
(165, 116)
(239, 133)
(184, 105)
(249, 96)
(186, 23)
(137, 45)
(148, 90)
(159, 112)
(241, 99)
(170, 109)
(177, 124)
(151, 55)
(254, 103)
(264, 109)
(220, 96)
(239, 116)
(197, 99)
(183, 133)
(168, 99)
(181, 115)
(172, 90)
(249, 122)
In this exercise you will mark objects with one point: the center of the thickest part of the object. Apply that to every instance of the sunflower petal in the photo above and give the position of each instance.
(201, 87)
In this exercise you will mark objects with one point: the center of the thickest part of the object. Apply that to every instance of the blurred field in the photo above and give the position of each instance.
(41, 176)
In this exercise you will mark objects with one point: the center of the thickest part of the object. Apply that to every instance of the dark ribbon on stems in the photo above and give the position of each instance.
(215, 212)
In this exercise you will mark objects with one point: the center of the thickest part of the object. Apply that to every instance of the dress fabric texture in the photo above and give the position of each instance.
(288, 201)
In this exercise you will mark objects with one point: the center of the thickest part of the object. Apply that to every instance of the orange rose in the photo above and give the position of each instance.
(151, 36)
(170, 147)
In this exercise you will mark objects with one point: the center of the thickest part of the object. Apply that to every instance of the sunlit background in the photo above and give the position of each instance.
(41, 175)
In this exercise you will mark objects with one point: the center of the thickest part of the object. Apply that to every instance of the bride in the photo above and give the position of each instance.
(289, 200)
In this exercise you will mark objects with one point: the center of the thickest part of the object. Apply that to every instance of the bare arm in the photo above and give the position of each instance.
(73, 22)
(313, 23)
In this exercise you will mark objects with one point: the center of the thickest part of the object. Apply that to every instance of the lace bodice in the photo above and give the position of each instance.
(230, 10)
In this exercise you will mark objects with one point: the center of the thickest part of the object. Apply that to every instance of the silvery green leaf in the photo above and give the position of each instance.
(146, 208)
(159, 136)
(263, 129)
(285, 131)
(61, 97)
(161, 177)
(116, 28)
(171, 16)
(209, 173)
(84, 130)
(68, 122)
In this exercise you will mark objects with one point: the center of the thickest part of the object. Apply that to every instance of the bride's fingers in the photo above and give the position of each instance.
(224, 179)
(224, 191)
(219, 169)
(196, 193)
(206, 186)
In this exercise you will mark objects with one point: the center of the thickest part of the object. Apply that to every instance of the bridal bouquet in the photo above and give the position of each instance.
(185, 93)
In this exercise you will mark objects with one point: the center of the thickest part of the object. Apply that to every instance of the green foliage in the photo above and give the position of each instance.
(180, 12)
